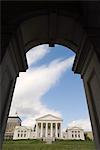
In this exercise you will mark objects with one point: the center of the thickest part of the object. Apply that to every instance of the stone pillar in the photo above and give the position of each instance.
(13, 62)
(88, 65)
(41, 129)
(51, 129)
(56, 130)
(46, 129)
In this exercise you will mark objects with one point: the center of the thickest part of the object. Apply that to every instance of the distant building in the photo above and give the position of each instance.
(12, 122)
(74, 133)
(47, 127)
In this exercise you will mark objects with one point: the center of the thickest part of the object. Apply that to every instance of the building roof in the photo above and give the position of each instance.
(15, 117)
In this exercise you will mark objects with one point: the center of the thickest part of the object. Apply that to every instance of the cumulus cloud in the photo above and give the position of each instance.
(33, 85)
(83, 123)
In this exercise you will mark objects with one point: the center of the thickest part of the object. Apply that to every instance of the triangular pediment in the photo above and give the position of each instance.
(49, 117)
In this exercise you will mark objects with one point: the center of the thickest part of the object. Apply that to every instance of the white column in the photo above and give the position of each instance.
(46, 129)
(61, 130)
(56, 130)
(51, 129)
(36, 129)
(41, 129)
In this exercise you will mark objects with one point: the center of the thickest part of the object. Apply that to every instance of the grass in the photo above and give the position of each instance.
(39, 145)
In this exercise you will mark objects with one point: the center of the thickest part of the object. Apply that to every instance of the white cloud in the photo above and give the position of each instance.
(83, 123)
(33, 85)
(37, 53)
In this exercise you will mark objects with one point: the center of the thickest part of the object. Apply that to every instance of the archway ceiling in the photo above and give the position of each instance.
(87, 14)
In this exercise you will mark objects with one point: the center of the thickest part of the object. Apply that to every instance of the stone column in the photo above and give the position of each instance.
(56, 131)
(41, 130)
(87, 65)
(51, 129)
(13, 62)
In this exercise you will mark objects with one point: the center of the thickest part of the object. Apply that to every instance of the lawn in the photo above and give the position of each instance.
(39, 145)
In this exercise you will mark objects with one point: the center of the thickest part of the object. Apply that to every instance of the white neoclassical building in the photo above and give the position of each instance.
(49, 126)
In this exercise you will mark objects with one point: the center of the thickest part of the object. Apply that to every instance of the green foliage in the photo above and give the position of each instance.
(40, 145)
(87, 138)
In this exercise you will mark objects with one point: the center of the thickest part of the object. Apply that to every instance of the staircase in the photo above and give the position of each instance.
(49, 140)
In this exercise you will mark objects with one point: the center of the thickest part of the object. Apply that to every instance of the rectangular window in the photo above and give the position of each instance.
(18, 134)
(72, 135)
(24, 135)
(21, 135)
(75, 135)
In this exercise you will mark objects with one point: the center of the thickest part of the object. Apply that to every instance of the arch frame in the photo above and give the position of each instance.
(52, 28)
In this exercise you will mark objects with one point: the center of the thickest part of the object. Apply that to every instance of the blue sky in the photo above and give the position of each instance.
(50, 86)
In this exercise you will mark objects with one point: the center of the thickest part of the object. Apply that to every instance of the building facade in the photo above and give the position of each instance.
(12, 122)
(74, 133)
(48, 127)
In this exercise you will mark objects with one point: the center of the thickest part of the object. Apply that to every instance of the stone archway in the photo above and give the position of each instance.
(60, 24)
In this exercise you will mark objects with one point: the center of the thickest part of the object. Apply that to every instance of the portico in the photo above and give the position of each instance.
(49, 126)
